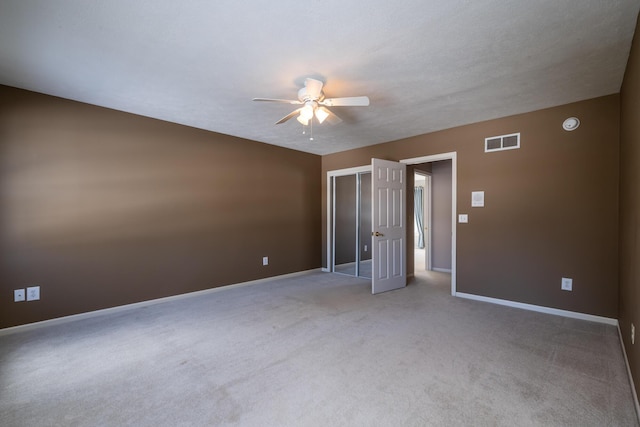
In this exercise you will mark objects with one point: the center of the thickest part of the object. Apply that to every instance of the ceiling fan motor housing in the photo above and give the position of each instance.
(303, 96)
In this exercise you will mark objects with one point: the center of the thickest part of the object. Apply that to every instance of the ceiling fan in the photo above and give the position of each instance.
(315, 104)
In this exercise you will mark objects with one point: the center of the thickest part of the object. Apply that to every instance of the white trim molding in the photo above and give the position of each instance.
(540, 309)
(330, 175)
(126, 307)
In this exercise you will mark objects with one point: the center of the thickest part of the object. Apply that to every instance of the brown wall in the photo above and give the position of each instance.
(551, 206)
(441, 174)
(102, 208)
(630, 206)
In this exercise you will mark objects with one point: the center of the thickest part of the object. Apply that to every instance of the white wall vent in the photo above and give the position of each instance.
(503, 142)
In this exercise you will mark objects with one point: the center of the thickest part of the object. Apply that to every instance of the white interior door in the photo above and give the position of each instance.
(388, 184)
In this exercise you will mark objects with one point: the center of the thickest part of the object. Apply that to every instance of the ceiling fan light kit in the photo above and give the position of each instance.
(314, 103)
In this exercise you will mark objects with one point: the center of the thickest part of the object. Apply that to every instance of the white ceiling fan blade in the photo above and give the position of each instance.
(314, 88)
(331, 118)
(289, 116)
(286, 101)
(353, 101)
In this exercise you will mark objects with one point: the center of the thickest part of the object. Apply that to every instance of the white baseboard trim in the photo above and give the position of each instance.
(126, 307)
(540, 309)
(631, 383)
(441, 270)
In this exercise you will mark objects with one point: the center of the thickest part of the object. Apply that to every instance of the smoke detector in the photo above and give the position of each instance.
(570, 124)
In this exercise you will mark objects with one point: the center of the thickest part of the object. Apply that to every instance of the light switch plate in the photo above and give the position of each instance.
(567, 284)
(477, 199)
(18, 295)
(463, 218)
(33, 293)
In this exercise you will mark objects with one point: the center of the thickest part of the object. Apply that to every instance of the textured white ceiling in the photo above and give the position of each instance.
(425, 65)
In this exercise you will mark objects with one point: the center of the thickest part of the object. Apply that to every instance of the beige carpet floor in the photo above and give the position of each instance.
(317, 350)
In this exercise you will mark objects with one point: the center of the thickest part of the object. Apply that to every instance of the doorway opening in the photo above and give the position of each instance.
(422, 215)
(442, 245)
(350, 227)
(373, 241)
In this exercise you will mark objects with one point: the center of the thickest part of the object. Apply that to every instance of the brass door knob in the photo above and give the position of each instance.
(377, 234)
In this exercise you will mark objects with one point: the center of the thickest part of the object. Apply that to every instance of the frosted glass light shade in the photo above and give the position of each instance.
(307, 112)
(321, 115)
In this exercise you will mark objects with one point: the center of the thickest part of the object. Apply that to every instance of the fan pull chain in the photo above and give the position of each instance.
(311, 124)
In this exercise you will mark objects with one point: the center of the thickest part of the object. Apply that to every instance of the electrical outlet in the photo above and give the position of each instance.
(567, 284)
(365, 248)
(633, 334)
(33, 293)
(18, 295)
(265, 260)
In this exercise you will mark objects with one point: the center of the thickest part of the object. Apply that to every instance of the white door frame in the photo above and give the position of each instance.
(331, 208)
(454, 186)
